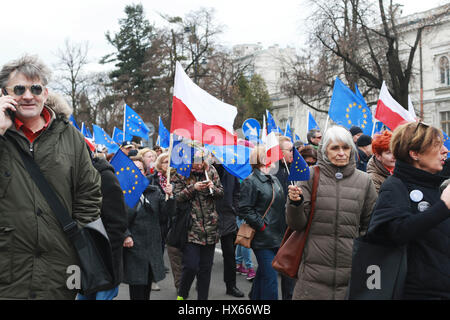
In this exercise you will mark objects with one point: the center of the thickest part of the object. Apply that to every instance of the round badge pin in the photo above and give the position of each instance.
(416, 195)
(422, 206)
(339, 175)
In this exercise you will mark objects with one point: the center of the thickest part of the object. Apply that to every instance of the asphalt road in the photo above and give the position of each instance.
(217, 290)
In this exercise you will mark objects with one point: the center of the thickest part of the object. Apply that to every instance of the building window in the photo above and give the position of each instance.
(444, 69)
(445, 121)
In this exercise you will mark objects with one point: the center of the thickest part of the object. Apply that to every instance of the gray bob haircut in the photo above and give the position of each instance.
(337, 134)
(30, 66)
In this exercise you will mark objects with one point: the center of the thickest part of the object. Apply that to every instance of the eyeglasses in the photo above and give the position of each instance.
(290, 150)
(19, 90)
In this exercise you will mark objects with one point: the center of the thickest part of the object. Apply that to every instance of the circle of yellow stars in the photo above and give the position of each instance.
(139, 122)
(135, 176)
(363, 110)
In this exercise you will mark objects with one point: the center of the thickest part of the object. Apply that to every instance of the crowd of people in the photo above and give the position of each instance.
(391, 187)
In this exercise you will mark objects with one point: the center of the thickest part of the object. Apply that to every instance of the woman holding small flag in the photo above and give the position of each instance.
(262, 206)
(345, 198)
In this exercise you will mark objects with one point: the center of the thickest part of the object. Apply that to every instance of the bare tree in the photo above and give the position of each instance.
(71, 79)
(364, 40)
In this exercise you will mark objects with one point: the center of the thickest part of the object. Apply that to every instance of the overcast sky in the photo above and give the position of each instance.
(40, 27)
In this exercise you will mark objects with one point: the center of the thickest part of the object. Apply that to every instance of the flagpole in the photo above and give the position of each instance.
(374, 125)
(170, 157)
(124, 114)
(287, 168)
(326, 125)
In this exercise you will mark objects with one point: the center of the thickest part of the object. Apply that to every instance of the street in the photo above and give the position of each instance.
(217, 287)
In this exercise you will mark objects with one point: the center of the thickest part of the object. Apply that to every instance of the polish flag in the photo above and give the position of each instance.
(273, 151)
(199, 116)
(390, 112)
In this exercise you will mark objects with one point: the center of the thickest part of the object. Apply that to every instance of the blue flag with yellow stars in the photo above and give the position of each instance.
(164, 135)
(271, 125)
(132, 181)
(134, 125)
(85, 131)
(312, 124)
(182, 157)
(349, 109)
(446, 143)
(101, 137)
(299, 168)
(288, 132)
(118, 136)
(73, 122)
(234, 158)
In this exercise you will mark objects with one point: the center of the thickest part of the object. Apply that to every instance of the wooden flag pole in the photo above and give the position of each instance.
(287, 168)
(170, 157)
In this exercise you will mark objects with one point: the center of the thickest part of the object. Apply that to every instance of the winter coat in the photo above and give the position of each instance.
(363, 159)
(114, 215)
(409, 212)
(205, 219)
(342, 213)
(35, 253)
(256, 195)
(377, 172)
(228, 205)
(143, 228)
(282, 174)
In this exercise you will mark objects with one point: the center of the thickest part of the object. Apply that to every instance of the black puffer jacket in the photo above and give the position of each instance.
(409, 211)
(256, 195)
(227, 206)
(114, 214)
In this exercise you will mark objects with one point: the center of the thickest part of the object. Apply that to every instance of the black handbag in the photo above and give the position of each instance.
(378, 271)
(178, 233)
(91, 242)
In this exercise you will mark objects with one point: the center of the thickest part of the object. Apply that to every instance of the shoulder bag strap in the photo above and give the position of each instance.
(271, 202)
(60, 211)
(313, 198)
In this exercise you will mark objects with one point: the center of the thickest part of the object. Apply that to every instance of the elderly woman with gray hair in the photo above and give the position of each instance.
(345, 198)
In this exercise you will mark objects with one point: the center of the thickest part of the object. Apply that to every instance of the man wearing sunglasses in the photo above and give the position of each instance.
(35, 253)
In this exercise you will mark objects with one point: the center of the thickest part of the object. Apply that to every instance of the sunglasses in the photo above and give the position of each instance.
(19, 90)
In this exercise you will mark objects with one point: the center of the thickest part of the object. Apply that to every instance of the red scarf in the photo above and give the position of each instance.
(162, 180)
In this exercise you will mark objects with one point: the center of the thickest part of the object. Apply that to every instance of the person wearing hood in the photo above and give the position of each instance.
(412, 211)
(345, 198)
(35, 252)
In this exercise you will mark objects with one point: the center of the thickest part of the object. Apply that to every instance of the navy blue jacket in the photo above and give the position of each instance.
(409, 211)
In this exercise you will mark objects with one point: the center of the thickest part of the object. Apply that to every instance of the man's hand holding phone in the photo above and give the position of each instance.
(202, 185)
(7, 110)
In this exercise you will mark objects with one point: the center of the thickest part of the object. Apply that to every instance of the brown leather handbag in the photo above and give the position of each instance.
(288, 257)
(246, 233)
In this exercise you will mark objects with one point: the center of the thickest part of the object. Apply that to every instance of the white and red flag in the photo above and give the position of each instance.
(199, 116)
(273, 151)
(390, 112)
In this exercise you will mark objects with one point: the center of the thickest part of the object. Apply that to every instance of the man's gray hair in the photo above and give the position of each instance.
(337, 134)
(30, 66)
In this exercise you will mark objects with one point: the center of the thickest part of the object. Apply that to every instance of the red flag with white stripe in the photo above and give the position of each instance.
(390, 112)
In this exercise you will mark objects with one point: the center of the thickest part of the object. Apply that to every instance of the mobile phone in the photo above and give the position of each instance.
(10, 113)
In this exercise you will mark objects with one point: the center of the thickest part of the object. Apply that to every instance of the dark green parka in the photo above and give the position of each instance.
(34, 251)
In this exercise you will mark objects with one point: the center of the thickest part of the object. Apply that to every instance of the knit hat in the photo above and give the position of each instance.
(354, 130)
(364, 140)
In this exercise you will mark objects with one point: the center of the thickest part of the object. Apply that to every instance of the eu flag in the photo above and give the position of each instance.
(164, 135)
(101, 137)
(181, 158)
(118, 136)
(234, 158)
(134, 125)
(446, 143)
(349, 109)
(73, 122)
(312, 124)
(132, 181)
(271, 125)
(288, 132)
(85, 131)
(299, 168)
